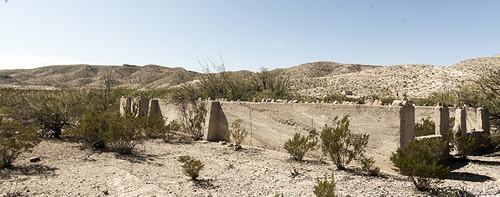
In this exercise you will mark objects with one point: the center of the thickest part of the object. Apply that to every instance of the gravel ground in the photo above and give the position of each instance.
(66, 170)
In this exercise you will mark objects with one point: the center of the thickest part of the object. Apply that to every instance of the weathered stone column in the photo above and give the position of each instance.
(217, 122)
(460, 121)
(442, 121)
(154, 108)
(125, 106)
(140, 106)
(483, 120)
(407, 124)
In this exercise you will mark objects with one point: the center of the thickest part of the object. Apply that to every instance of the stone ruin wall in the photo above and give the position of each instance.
(271, 124)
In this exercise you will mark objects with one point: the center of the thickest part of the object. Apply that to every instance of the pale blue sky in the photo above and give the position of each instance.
(248, 34)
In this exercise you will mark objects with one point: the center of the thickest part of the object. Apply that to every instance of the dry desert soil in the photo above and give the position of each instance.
(153, 170)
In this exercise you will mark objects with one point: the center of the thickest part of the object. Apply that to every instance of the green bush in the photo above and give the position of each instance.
(465, 144)
(15, 139)
(122, 134)
(191, 166)
(299, 145)
(340, 144)
(237, 133)
(425, 127)
(367, 164)
(420, 160)
(91, 129)
(325, 188)
(153, 126)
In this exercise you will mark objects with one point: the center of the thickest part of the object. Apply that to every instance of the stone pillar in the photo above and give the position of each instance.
(217, 122)
(483, 120)
(406, 124)
(460, 121)
(442, 120)
(154, 108)
(142, 107)
(125, 106)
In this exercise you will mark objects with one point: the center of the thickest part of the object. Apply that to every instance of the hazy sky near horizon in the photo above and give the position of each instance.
(247, 34)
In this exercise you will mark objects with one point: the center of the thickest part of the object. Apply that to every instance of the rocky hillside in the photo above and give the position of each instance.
(91, 76)
(313, 79)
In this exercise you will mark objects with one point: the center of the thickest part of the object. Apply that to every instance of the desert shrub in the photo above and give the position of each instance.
(495, 139)
(299, 145)
(50, 111)
(420, 161)
(237, 133)
(153, 126)
(122, 134)
(425, 127)
(465, 144)
(340, 144)
(15, 139)
(367, 165)
(325, 188)
(194, 120)
(191, 166)
(91, 129)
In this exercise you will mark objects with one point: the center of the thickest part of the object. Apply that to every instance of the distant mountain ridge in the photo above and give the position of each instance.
(312, 79)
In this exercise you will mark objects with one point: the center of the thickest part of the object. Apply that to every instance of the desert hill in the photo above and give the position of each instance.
(312, 79)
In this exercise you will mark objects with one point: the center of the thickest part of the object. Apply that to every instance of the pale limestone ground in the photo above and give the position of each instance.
(65, 170)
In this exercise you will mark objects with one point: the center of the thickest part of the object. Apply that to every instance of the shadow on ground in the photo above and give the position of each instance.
(465, 176)
(139, 158)
(28, 170)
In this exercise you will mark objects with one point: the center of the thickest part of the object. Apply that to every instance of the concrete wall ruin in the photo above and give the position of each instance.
(271, 124)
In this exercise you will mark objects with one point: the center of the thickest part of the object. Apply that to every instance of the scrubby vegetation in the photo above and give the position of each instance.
(425, 127)
(14, 140)
(193, 120)
(237, 133)
(422, 161)
(191, 166)
(298, 146)
(325, 188)
(340, 144)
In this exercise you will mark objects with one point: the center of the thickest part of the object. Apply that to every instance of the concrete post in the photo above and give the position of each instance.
(407, 124)
(460, 121)
(483, 120)
(442, 121)
(217, 122)
(125, 106)
(142, 107)
(154, 108)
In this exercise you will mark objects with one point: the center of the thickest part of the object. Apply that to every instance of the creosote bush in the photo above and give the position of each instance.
(341, 145)
(237, 133)
(325, 188)
(425, 127)
(420, 160)
(191, 166)
(14, 140)
(299, 145)
(122, 134)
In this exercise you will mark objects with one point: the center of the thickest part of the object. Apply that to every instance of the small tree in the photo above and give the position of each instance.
(299, 145)
(237, 133)
(420, 161)
(325, 188)
(15, 139)
(191, 166)
(342, 145)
